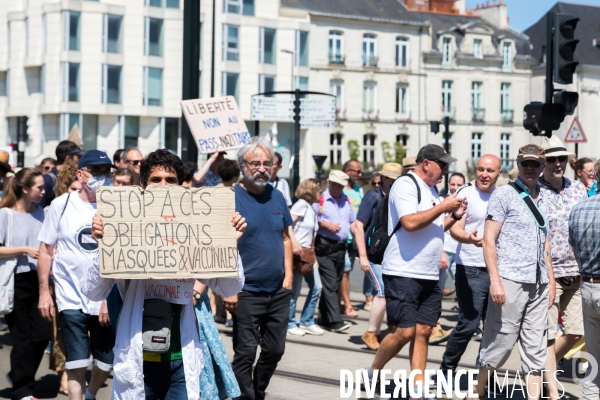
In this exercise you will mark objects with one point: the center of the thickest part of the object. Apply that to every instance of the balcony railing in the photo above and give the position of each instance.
(507, 115)
(371, 115)
(337, 59)
(478, 114)
(370, 61)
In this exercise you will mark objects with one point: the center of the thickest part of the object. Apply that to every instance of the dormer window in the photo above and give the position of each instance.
(446, 44)
(477, 48)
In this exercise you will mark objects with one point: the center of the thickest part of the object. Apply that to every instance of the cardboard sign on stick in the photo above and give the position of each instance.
(216, 123)
(167, 232)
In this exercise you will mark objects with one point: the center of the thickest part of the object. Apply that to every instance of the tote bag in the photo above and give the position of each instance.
(7, 273)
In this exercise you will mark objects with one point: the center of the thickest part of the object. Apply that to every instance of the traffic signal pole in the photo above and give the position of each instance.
(191, 72)
(549, 61)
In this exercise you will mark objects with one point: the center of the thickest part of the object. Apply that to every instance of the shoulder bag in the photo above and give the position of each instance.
(303, 263)
(7, 273)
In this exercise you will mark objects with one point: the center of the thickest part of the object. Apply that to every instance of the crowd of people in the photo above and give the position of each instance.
(522, 256)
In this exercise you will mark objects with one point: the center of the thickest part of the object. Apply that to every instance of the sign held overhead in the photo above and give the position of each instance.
(216, 123)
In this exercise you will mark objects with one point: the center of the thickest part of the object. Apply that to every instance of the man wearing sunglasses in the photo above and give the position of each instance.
(133, 159)
(558, 195)
(516, 252)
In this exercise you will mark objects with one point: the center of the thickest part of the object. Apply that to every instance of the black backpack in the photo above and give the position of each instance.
(377, 235)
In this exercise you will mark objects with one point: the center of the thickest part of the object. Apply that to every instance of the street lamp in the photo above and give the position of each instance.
(293, 58)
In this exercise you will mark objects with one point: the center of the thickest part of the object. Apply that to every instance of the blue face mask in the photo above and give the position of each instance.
(96, 182)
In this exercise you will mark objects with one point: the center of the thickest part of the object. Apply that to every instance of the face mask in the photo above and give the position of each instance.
(96, 182)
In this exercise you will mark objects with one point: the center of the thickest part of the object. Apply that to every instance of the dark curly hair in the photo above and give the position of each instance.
(164, 159)
(189, 169)
(228, 169)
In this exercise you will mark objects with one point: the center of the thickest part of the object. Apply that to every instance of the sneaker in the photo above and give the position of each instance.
(312, 330)
(439, 336)
(367, 306)
(295, 331)
(29, 398)
(229, 323)
(478, 335)
(371, 340)
(47, 350)
(8, 379)
(337, 327)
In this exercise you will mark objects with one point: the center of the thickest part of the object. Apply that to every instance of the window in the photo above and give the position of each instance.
(162, 3)
(70, 72)
(476, 95)
(72, 28)
(335, 150)
(89, 131)
(446, 42)
(153, 37)
(401, 52)
(369, 50)
(131, 132)
(266, 83)
(245, 7)
(336, 88)
(73, 119)
(402, 138)
(336, 47)
(505, 157)
(505, 102)
(111, 33)
(231, 43)
(369, 149)
(111, 84)
(230, 84)
(447, 106)
(402, 101)
(506, 56)
(171, 134)
(301, 48)
(267, 46)
(477, 48)
(476, 145)
(301, 82)
(3, 83)
(172, 4)
(152, 95)
(369, 97)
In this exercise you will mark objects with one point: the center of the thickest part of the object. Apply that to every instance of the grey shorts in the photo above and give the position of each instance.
(522, 318)
(568, 300)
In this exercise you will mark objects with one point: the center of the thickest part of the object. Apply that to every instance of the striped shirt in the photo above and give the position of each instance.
(584, 236)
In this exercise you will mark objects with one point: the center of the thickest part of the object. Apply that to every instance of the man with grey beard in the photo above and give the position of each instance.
(266, 251)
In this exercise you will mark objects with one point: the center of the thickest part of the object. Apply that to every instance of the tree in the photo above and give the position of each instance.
(400, 152)
(353, 149)
(387, 152)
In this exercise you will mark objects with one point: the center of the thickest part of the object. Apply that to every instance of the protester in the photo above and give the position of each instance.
(189, 169)
(517, 256)
(584, 170)
(280, 183)
(140, 374)
(355, 194)
(376, 180)
(471, 279)
(266, 251)
(67, 229)
(229, 172)
(66, 181)
(304, 232)
(557, 197)
(584, 237)
(388, 174)
(47, 164)
(208, 175)
(411, 261)
(132, 158)
(408, 164)
(20, 223)
(67, 153)
(118, 159)
(124, 177)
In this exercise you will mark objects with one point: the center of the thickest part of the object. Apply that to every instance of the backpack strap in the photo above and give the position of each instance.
(535, 211)
(399, 225)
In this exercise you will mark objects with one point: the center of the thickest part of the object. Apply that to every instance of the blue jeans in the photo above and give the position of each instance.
(451, 269)
(472, 290)
(376, 277)
(314, 289)
(164, 380)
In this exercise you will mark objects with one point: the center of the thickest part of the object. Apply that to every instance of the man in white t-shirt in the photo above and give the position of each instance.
(472, 279)
(67, 229)
(411, 261)
(280, 183)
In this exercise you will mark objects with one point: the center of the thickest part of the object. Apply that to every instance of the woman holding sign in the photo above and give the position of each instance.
(149, 362)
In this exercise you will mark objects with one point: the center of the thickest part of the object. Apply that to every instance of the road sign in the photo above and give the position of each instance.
(318, 102)
(272, 109)
(317, 124)
(271, 101)
(316, 117)
(575, 133)
(273, 116)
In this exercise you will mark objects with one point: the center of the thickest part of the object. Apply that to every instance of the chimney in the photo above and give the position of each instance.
(496, 13)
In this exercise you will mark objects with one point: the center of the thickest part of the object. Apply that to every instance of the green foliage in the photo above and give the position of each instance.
(353, 149)
(387, 152)
(400, 152)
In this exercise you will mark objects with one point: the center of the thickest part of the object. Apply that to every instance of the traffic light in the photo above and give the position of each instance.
(568, 100)
(564, 47)
(539, 117)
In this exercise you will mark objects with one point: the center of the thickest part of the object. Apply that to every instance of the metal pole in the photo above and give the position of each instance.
(549, 60)
(256, 128)
(21, 127)
(447, 146)
(296, 167)
(212, 56)
(191, 72)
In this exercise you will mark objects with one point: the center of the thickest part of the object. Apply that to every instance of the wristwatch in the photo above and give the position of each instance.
(197, 295)
(454, 217)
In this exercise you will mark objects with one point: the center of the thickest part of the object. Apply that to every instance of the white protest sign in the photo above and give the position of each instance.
(167, 232)
(216, 123)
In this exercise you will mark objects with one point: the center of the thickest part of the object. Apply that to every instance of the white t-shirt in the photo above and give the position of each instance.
(75, 249)
(305, 228)
(413, 254)
(468, 254)
(25, 229)
(283, 186)
(174, 291)
(450, 244)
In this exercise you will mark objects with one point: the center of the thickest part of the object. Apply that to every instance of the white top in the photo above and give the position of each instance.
(305, 228)
(25, 229)
(470, 255)
(283, 186)
(413, 254)
(75, 249)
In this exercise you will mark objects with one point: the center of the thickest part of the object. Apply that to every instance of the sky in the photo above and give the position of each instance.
(524, 13)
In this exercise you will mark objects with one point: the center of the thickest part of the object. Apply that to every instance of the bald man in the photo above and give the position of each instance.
(472, 279)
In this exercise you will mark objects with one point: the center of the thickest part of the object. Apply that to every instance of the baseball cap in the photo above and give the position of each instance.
(338, 177)
(531, 152)
(434, 152)
(95, 157)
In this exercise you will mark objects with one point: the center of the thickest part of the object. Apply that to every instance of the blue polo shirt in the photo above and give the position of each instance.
(261, 246)
(342, 213)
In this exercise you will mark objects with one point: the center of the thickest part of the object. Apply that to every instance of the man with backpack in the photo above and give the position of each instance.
(366, 215)
(411, 261)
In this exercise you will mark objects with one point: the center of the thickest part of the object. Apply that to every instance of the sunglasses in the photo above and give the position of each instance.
(552, 160)
(530, 164)
(47, 167)
(376, 183)
(133, 162)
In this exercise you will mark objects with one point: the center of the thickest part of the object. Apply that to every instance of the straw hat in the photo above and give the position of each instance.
(391, 170)
(409, 163)
(554, 147)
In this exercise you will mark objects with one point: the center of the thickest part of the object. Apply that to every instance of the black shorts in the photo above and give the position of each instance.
(410, 301)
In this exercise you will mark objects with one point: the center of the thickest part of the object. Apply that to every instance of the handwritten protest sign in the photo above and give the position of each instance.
(167, 232)
(216, 123)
